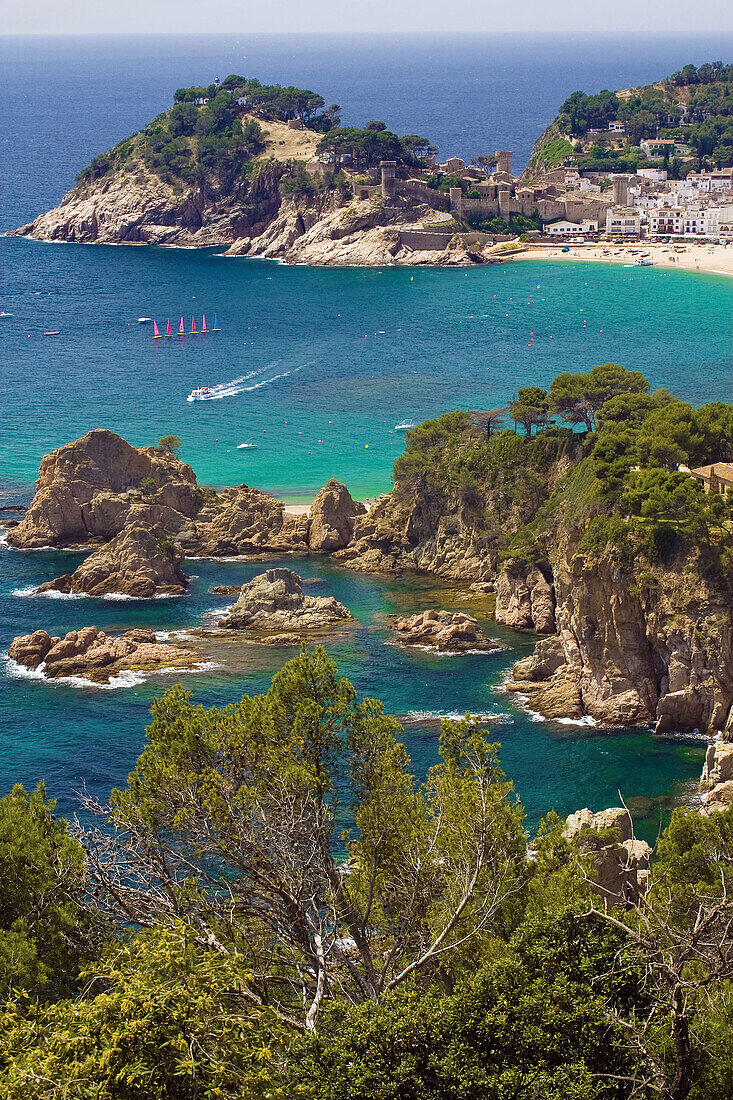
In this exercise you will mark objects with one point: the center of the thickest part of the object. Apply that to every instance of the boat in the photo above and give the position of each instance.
(644, 261)
(144, 320)
(156, 331)
(169, 330)
(245, 446)
(404, 427)
(53, 332)
(201, 393)
(194, 330)
(203, 323)
(215, 326)
(4, 314)
(181, 328)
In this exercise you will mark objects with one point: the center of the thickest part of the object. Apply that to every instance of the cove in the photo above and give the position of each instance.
(75, 737)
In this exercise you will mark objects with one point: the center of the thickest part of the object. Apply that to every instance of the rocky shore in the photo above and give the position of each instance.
(91, 654)
(658, 653)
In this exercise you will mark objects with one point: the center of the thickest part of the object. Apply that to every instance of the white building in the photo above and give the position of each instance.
(616, 127)
(667, 221)
(659, 175)
(201, 101)
(623, 221)
(570, 229)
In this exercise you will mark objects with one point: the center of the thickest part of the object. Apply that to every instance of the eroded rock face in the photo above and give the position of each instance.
(332, 517)
(525, 601)
(444, 631)
(135, 563)
(273, 604)
(88, 490)
(94, 655)
(716, 782)
(246, 521)
(621, 864)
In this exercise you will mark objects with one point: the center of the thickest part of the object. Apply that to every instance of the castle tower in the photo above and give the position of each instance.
(620, 186)
(505, 202)
(456, 201)
(389, 167)
(504, 162)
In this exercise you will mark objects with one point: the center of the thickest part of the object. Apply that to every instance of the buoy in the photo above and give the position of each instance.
(320, 440)
(366, 446)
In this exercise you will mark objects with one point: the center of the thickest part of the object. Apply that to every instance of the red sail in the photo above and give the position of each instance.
(193, 326)
(169, 330)
(181, 328)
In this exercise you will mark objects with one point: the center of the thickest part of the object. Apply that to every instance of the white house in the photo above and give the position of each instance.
(201, 101)
(623, 221)
(570, 229)
(616, 126)
(656, 174)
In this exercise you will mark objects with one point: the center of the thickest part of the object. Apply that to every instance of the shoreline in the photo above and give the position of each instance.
(703, 259)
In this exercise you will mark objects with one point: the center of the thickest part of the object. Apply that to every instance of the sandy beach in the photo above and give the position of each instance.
(711, 259)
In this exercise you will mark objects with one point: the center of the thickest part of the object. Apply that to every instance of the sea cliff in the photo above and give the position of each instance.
(600, 540)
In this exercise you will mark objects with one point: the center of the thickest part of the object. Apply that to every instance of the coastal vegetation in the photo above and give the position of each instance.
(692, 111)
(276, 907)
(596, 450)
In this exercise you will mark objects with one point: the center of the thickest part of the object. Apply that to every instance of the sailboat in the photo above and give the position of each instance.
(215, 327)
(181, 328)
(169, 330)
(194, 330)
(156, 331)
(203, 323)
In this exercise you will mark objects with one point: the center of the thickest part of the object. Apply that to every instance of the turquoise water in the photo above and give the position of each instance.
(341, 355)
(90, 736)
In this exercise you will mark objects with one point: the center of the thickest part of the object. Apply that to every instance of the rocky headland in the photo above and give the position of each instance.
(444, 632)
(91, 654)
(622, 564)
(274, 609)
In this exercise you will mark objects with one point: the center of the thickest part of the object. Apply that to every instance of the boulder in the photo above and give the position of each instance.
(273, 604)
(716, 781)
(620, 862)
(96, 656)
(332, 516)
(444, 631)
(30, 650)
(135, 563)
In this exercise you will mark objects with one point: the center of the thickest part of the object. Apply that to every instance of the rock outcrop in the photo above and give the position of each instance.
(96, 656)
(89, 490)
(135, 563)
(247, 521)
(444, 631)
(659, 654)
(273, 604)
(716, 783)
(620, 862)
(332, 517)
(525, 600)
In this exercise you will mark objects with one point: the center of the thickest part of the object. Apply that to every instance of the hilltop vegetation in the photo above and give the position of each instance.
(693, 107)
(622, 480)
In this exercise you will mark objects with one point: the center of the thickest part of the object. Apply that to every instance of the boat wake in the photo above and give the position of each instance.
(240, 385)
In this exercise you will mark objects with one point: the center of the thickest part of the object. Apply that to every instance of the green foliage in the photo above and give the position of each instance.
(43, 930)
(531, 408)
(169, 443)
(161, 1018)
(580, 113)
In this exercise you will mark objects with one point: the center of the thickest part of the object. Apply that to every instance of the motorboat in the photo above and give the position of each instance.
(404, 427)
(245, 446)
(201, 393)
(144, 320)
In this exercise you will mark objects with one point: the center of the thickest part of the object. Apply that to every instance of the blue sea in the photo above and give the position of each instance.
(316, 367)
